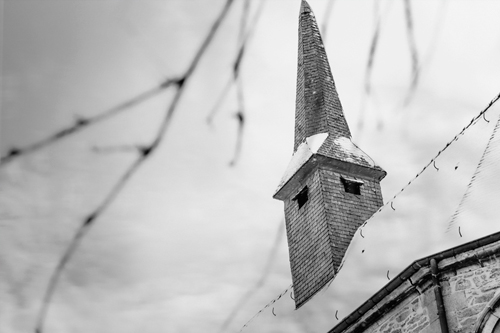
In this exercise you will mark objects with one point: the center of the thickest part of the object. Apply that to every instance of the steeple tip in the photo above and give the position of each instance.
(318, 107)
(304, 7)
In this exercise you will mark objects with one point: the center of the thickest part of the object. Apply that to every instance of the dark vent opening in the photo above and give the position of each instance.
(302, 197)
(351, 186)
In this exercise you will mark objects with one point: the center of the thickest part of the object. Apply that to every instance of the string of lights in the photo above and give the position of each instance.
(473, 121)
(477, 172)
(277, 298)
(267, 269)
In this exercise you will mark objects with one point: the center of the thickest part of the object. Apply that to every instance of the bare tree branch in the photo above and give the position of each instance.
(373, 47)
(260, 282)
(82, 123)
(415, 66)
(326, 21)
(145, 153)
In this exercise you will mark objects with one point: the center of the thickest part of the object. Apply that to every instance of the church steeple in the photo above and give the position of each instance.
(331, 186)
(318, 107)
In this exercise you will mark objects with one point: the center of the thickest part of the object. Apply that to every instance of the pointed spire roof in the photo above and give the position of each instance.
(321, 130)
(318, 108)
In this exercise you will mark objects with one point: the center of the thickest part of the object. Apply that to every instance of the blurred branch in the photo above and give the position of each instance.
(369, 64)
(117, 149)
(415, 67)
(240, 115)
(379, 19)
(220, 100)
(373, 47)
(245, 34)
(145, 153)
(82, 123)
(262, 280)
(479, 167)
(326, 21)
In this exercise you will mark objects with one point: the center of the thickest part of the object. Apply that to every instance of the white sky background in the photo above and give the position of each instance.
(189, 235)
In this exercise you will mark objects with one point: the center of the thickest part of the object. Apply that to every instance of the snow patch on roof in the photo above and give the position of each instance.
(315, 141)
(350, 149)
(304, 151)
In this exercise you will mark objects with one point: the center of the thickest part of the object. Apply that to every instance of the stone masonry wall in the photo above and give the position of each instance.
(417, 313)
(467, 292)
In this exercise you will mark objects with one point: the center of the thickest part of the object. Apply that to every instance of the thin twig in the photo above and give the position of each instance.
(373, 48)
(220, 100)
(267, 269)
(326, 21)
(117, 149)
(146, 152)
(82, 123)
(244, 38)
(415, 66)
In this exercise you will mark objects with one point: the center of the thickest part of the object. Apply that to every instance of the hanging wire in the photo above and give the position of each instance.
(265, 307)
(473, 121)
(145, 153)
(262, 280)
(474, 177)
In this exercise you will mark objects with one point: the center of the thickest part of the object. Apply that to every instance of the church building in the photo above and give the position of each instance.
(331, 187)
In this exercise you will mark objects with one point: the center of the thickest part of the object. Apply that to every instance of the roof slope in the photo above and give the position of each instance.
(318, 108)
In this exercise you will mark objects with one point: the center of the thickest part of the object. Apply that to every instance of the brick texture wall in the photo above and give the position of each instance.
(309, 249)
(346, 211)
(320, 231)
(318, 107)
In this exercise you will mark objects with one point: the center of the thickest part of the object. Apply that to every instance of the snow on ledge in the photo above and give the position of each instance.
(352, 150)
(305, 150)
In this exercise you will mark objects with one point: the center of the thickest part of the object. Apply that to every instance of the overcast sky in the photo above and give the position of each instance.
(189, 235)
